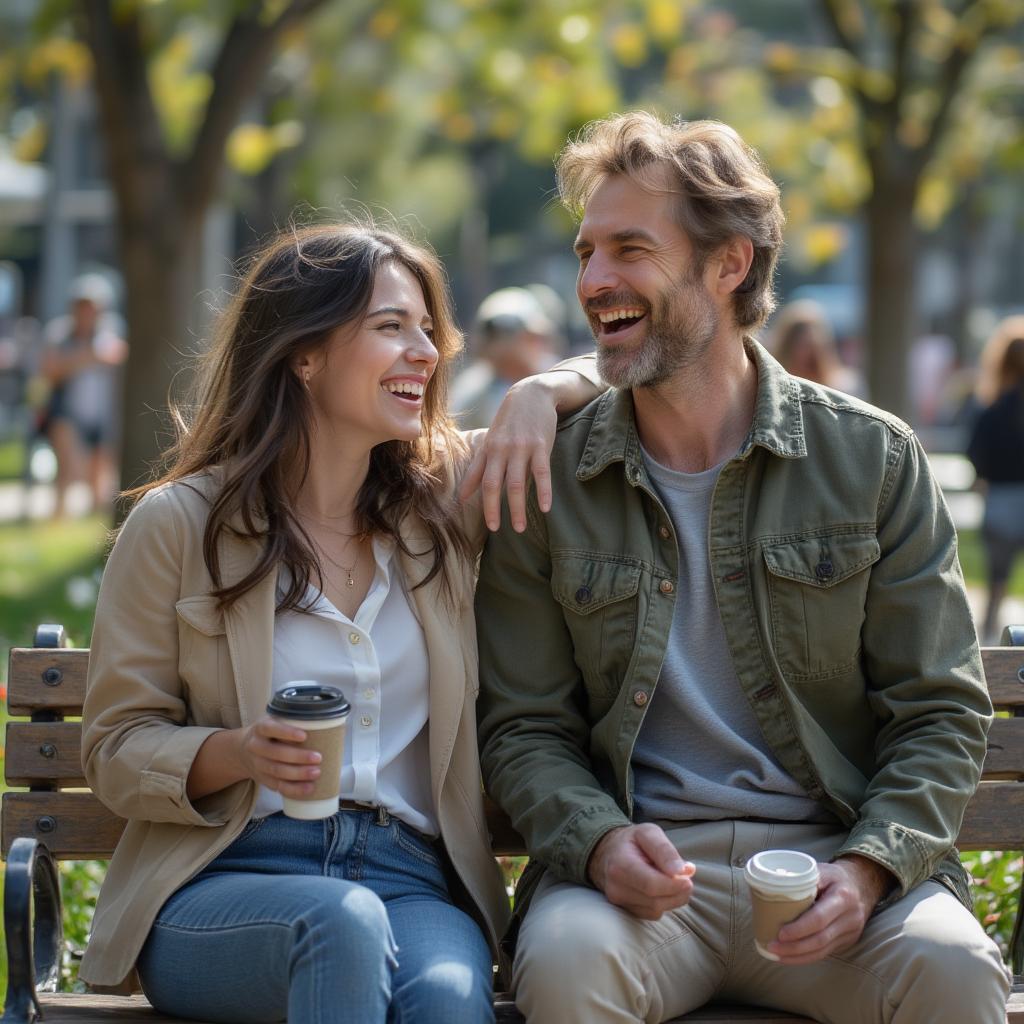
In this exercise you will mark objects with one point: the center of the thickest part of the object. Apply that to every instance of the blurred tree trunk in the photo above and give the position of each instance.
(888, 75)
(892, 251)
(162, 198)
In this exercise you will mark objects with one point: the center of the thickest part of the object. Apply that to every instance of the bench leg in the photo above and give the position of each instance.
(31, 895)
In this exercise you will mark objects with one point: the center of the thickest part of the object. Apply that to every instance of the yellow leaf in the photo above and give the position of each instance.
(250, 148)
(665, 19)
(629, 44)
(934, 200)
(384, 24)
(30, 145)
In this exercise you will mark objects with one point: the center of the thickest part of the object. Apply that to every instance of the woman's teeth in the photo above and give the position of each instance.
(404, 387)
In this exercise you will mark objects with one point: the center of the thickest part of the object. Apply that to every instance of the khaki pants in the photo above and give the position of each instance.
(922, 960)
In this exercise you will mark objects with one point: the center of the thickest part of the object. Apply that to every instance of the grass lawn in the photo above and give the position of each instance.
(12, 460)
(48, 573)
(972, 561)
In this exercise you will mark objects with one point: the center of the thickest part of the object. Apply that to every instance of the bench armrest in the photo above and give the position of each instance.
(31, 896)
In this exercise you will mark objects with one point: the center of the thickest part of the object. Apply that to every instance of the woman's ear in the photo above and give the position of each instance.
(302, 367)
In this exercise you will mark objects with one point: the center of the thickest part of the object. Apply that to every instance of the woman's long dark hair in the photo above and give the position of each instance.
(251, 416)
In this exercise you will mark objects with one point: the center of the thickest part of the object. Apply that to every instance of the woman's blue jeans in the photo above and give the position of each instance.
(347, 919)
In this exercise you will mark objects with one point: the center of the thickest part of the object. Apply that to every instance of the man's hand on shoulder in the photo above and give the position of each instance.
(849, 889)
(637, 868)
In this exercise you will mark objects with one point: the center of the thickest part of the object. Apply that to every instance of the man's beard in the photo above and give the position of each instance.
(680, 328)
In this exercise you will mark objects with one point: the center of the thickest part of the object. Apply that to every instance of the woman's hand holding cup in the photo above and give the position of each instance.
(270, 754)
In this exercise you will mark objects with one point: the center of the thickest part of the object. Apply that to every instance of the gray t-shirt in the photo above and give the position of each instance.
(700, 754)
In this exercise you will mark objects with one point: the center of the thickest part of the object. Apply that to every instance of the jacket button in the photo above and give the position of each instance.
(824, 570)
(666, 586)
(640, 698)
(583, 595)
(663, 532)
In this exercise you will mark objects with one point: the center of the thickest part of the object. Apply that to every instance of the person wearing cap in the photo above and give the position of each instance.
(80, 361)
(515, 338)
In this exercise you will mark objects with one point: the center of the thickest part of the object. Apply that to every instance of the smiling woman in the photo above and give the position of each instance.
(305, 529)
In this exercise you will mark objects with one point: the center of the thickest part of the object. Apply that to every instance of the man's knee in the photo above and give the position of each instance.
(951, 971)
(577, 954)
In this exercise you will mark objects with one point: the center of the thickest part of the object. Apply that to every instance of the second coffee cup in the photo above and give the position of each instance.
(321, 711)
(783, 884)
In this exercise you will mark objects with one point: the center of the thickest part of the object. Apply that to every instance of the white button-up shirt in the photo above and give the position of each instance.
(379, 660)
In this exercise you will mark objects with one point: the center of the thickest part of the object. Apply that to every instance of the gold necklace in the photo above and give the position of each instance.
(347, 569)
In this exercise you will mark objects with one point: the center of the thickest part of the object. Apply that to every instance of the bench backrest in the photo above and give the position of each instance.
(43, 756)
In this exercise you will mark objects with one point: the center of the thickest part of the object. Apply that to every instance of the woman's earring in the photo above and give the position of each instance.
(305, 379)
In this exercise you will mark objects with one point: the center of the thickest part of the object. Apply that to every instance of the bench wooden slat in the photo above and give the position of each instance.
(83, 829)
(1004, 758)
(994, 818)
(39, 752)
(28, 690)
(1004, 673)
(94, 1009)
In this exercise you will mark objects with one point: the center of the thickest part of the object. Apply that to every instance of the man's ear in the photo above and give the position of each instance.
(732, 264)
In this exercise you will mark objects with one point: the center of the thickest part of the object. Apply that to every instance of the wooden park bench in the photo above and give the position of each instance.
(54, 817)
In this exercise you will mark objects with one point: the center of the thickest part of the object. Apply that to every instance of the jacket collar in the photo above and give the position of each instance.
(778, 423)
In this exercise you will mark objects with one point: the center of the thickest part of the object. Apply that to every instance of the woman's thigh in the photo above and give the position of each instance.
(444, 971)
(257, 948)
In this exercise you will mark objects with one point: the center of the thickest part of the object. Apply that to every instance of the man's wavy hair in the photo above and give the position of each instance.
(722, 187)
(250, 418)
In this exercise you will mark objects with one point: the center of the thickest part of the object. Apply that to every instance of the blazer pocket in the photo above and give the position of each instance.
(817, 587)
(204, 662)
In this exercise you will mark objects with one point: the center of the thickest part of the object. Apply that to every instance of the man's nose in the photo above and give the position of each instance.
(595, 277)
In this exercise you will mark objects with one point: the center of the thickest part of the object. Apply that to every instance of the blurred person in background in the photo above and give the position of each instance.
(996, 449)
(83, 351)
(514, 338)
(804, 342)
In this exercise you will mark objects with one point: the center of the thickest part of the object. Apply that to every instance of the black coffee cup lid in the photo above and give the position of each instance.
(309, 701)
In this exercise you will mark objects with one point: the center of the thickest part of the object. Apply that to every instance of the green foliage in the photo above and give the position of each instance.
(79, 886)
(997, 882)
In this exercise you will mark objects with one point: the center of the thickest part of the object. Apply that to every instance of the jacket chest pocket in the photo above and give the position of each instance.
(817, 587)
(204, 662)
(599, 602)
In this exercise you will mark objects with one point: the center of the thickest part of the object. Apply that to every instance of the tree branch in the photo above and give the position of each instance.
(241, 64)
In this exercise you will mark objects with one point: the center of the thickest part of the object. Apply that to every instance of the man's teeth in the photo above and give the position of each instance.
(403, 387)
(611, 315)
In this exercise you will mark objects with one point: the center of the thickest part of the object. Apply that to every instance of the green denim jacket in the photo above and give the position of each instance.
(834, 562)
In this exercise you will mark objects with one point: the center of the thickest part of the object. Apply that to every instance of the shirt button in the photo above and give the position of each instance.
(366, 721)
(640, 698)
(369, 693)
(666, 586)
(663, 532)
(354, 638)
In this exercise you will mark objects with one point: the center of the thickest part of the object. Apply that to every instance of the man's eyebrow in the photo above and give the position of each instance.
(625, 235)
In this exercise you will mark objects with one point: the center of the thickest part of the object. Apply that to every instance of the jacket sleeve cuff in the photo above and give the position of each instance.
(579, 837)
(896, 848)
(162, 785)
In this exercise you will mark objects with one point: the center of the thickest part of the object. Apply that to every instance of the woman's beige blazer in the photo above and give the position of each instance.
(167, 668)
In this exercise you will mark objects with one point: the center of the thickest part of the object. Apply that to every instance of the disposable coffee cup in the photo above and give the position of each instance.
(322, 712)
(783, 884)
